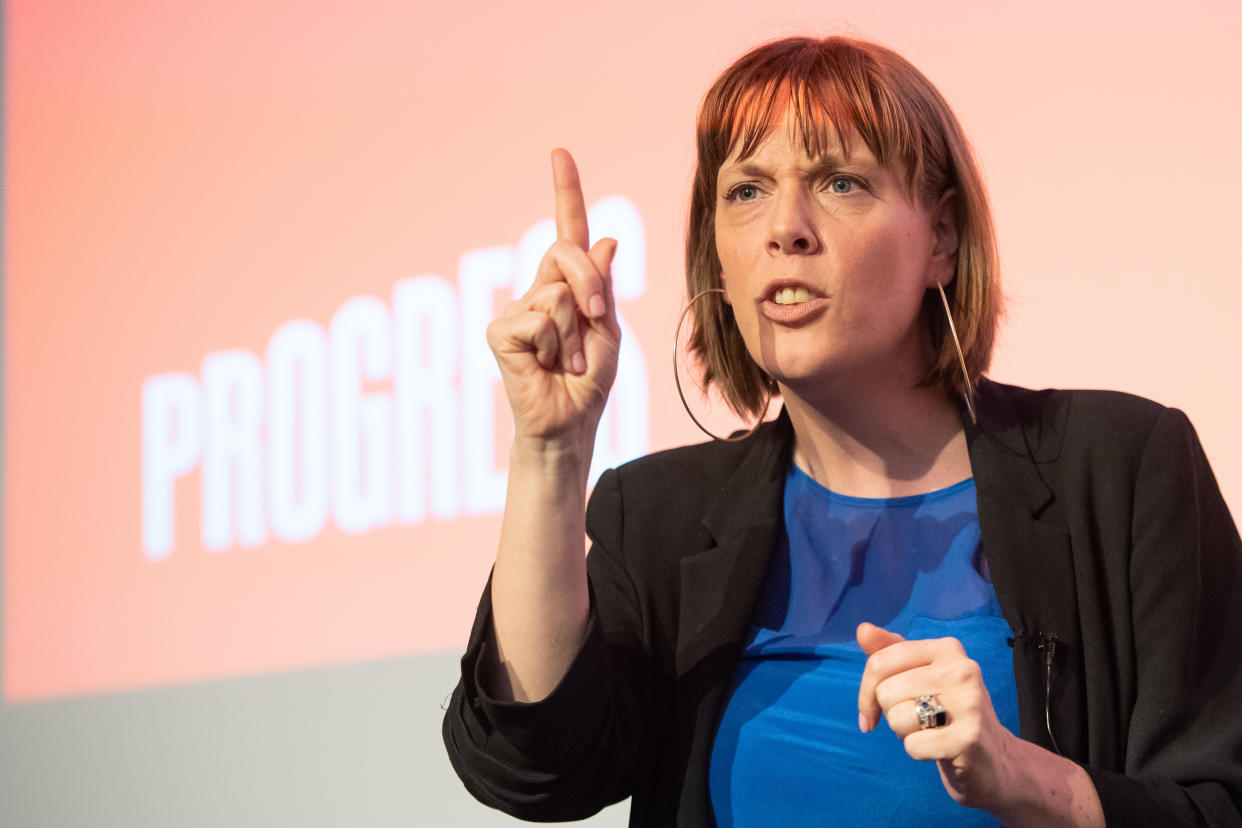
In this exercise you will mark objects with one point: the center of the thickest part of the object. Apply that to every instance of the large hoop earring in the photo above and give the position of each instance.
(969, 394)
(737, 438)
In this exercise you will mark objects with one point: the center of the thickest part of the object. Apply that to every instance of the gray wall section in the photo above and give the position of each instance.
(354, 745)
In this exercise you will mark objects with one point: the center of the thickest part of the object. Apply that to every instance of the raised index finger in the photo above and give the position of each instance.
(571, 215)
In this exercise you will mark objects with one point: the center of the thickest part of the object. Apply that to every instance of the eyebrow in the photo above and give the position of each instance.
(826, 164)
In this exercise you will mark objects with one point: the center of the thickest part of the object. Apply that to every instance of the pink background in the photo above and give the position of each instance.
(184, 177)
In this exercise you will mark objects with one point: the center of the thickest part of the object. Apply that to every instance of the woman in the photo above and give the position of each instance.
(867, 554)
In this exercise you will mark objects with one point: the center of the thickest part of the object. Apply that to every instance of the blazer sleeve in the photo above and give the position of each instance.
(1183, 756)
(566, 756)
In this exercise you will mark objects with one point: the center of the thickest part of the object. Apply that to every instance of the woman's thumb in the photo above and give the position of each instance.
(872, 639)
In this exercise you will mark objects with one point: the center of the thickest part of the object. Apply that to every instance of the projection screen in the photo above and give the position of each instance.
(254, 444)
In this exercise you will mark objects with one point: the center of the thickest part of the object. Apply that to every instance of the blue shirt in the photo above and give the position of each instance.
(788, 750)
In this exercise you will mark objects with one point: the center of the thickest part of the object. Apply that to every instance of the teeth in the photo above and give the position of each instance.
(791, 296)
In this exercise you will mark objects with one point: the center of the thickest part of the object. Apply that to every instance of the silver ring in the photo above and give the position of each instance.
(931, 712)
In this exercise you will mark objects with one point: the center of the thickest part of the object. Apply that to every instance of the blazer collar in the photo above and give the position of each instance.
(745, 498)
(1007, 446)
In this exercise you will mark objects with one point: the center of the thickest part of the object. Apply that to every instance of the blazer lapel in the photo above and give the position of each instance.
(719, 588)
(1029, 556)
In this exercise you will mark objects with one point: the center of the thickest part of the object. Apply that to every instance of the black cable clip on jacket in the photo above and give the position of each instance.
(1047, 643)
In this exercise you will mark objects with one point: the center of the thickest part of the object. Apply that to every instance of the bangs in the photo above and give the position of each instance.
(830, 97)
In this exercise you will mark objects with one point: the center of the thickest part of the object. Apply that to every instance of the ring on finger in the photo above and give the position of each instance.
(931, 712)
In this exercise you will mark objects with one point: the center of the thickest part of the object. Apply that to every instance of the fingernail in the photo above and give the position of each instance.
(863, 724)
(579, 363)
(596, 306)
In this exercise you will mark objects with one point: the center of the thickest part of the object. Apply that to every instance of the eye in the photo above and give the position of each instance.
(742, 192)
(842, 185)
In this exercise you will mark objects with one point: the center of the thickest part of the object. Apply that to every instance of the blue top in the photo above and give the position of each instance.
(788, 750)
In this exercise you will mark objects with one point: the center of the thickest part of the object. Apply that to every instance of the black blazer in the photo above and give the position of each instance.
(1113, 556)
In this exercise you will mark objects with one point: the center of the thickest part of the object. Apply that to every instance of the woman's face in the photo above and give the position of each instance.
(825, 262)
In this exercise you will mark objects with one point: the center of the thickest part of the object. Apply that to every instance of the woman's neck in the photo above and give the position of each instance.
(883, 441)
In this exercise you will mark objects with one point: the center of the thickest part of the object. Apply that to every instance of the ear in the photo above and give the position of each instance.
(728, 300)
(942, 263)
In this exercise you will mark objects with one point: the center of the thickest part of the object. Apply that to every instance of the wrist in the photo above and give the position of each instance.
(1018, 791)
(560, 456)
(1042, 788)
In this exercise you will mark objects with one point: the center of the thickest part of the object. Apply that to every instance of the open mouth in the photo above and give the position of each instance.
(793, 304)
(791, 296)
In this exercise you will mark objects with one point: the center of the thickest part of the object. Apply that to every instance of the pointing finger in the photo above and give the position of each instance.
(571, 215)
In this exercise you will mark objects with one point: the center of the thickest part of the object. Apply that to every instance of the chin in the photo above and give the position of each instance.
(798, 374)
(805, 376)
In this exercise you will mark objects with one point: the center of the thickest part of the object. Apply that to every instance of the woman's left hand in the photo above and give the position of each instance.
(972, 749)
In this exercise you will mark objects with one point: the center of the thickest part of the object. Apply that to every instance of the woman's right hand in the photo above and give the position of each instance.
(557, 346)
(557, 349)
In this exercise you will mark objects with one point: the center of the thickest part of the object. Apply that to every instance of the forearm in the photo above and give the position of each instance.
(539, 584)
(1045, 789)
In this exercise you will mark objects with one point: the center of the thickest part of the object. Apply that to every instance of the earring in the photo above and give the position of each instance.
(677, 379)
(969, 393)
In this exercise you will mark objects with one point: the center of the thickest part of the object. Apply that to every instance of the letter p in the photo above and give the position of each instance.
(171, 446)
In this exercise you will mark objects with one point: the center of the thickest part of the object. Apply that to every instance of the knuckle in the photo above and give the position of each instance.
(543, 326)
(562, 249)
(966, 671)
(885, 694)
(560, 294)
(550, 265)
(500, 330)
(866, 687)
(510, 310)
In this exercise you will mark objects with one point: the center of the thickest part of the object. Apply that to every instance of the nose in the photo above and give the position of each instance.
(791, 230)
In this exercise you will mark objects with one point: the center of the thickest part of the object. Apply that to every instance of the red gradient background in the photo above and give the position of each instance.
(185, 177)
